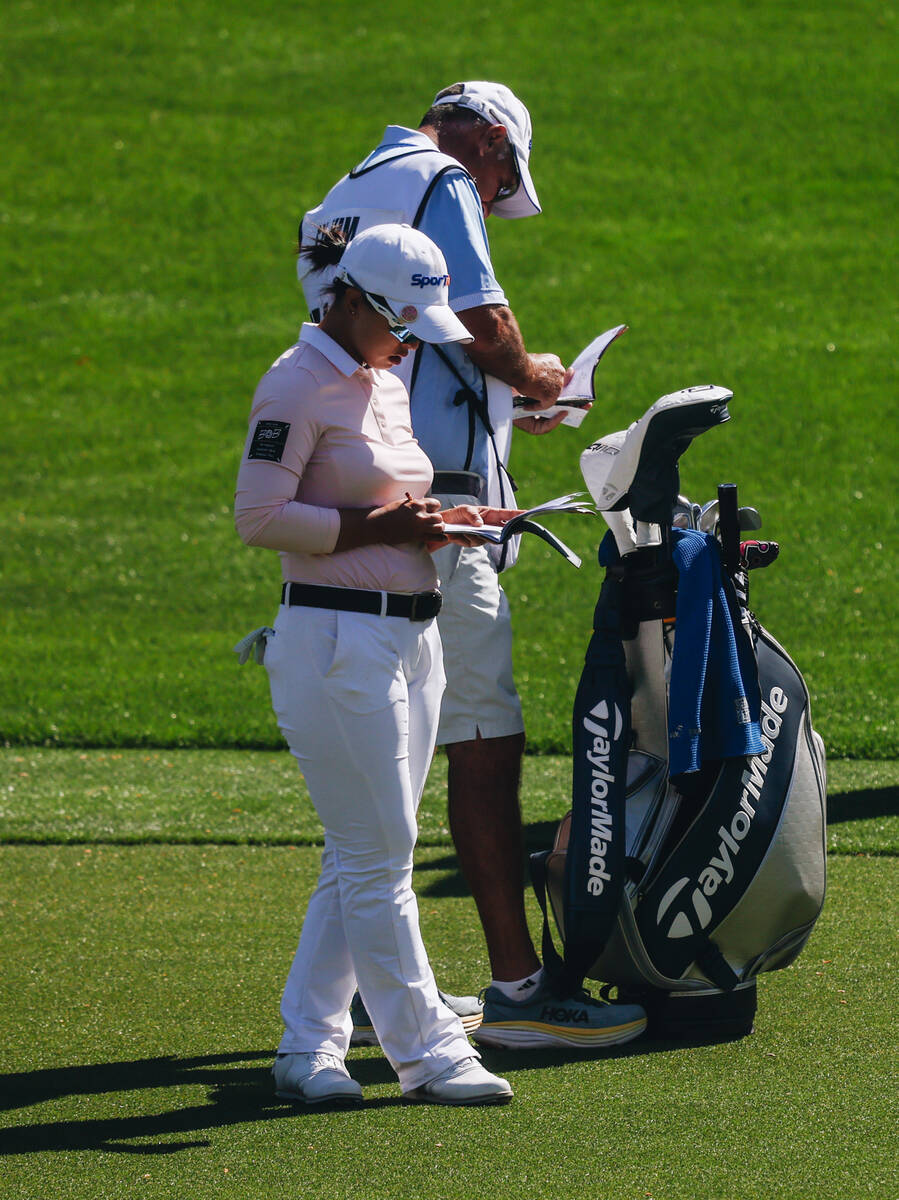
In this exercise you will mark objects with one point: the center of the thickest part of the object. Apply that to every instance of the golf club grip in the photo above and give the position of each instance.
(729, 526)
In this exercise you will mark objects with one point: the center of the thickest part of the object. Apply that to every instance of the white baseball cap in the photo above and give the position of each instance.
(500, 106)
(404, 277)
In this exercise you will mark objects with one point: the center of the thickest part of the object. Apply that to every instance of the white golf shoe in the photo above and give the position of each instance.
(465, 1082)
(316, 1078)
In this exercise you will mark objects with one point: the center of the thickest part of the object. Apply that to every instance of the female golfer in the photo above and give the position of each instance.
(333, 479)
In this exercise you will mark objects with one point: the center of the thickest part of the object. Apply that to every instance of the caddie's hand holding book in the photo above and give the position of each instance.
(579, 392)
(523, 522)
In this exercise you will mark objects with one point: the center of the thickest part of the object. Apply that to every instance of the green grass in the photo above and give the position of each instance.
(720, 178)
(139, 999)
(139, 1010)
(259, 798)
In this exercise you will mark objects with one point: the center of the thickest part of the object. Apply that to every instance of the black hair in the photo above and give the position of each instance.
(326, 251)
(327, 248)
(442, 116)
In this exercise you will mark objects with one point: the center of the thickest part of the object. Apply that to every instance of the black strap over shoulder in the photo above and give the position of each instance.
(476, 404)
(420, 211)
(478, 412)
(362, 169)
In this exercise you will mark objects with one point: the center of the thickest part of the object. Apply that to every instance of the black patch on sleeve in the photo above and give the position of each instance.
(269, 440)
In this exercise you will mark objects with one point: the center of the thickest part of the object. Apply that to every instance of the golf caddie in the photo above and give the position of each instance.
(468, 158)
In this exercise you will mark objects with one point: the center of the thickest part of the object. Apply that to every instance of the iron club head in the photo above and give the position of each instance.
(683, 514)
(749, 518)
(708, 517)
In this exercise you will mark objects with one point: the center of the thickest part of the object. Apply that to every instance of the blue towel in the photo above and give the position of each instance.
(713, 696)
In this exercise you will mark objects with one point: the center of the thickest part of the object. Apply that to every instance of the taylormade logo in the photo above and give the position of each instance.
(719, 870)
(601, 778)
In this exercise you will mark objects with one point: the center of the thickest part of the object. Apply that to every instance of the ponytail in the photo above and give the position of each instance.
(327, 251)
(327, 248)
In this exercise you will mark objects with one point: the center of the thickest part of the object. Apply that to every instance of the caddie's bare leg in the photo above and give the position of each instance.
(485, 822)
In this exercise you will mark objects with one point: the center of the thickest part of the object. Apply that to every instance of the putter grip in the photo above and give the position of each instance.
(729, 526)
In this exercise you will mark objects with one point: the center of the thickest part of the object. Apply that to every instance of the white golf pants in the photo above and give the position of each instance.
(357, 698)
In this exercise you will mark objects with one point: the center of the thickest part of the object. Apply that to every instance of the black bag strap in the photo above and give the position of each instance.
(552, 960)
(715, 967)
(595, 863)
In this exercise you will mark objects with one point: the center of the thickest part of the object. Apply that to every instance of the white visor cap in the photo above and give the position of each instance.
(399, 268)
(500, 106)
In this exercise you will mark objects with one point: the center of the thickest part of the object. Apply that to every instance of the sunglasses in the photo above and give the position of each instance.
(507, 191)
(401, 332)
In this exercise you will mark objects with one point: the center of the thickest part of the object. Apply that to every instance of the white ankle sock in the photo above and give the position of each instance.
(518, 989)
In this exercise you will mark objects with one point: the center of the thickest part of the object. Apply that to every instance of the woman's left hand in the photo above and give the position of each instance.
(462, 514)
(498, 516)
(474, 515)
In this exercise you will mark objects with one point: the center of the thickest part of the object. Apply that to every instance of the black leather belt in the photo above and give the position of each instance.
(457, 483)
(415, 606)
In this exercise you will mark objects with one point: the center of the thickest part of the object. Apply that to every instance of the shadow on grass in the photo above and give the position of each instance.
(450, 881)
(858, 806)
(508, 1062)
(842, 807)
(538, 835)
(238, 1094)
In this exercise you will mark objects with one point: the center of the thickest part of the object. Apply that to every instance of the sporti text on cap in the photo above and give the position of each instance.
(404, 277)
(500, 106)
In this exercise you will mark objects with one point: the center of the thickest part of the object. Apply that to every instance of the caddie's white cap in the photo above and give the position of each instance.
(500, 106)
(404, 277)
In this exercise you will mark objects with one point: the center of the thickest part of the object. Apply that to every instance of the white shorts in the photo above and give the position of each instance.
(476, 631)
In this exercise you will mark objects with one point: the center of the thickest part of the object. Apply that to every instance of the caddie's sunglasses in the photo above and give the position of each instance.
(507, 191)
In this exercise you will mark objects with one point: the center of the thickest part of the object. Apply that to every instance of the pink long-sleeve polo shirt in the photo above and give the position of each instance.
(326, 433)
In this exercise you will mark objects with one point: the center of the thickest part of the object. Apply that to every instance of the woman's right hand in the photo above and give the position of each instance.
(408, 520)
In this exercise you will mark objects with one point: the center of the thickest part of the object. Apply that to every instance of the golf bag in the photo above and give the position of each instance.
(693, 857)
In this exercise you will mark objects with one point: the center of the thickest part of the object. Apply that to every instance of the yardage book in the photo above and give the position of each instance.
(579, 392)
(523, 523)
